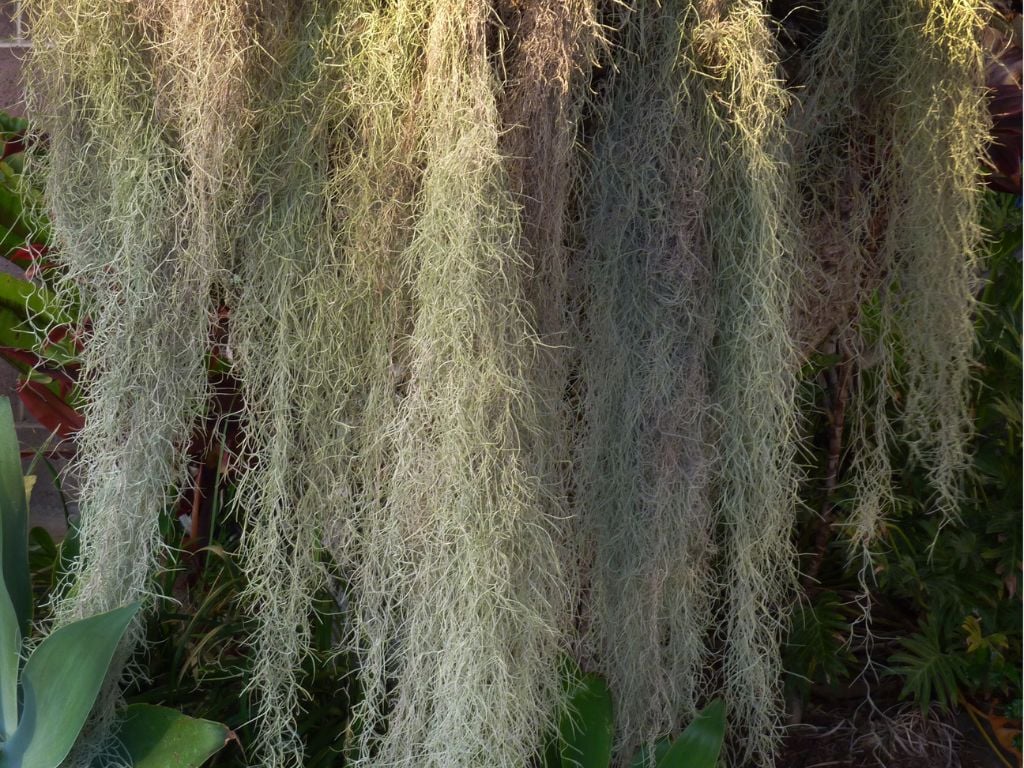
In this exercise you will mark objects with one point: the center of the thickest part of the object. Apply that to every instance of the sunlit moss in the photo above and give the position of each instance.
(516, 301)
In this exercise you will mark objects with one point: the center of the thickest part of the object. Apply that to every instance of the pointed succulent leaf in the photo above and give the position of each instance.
(10, 655)
(60, 683)
(159, 737)
(701, 743)
(13, 521)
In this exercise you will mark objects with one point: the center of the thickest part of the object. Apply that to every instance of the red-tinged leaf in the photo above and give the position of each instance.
(49, 410)
(22, 257)
(20, 358)
(13, 147)
(32, 258)
(58, 333)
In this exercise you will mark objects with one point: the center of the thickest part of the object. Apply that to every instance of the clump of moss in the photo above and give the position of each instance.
(750, 227)
(525, 398)
(686, 478)
(891, 128)
(647, 446)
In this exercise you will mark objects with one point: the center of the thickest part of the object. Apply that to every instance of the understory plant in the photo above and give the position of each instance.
(585, 736)
(45, 701)
(943, 601)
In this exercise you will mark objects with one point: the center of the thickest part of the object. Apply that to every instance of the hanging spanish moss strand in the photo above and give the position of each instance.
(468, 579)
(546, 65)
(136, 222)
(114, 185)
(939, 139)
(646, 452)
(373, 191)
(842, 186)
(734, 80)
(894, 122)
(374, 180)
(838, 175)
(137, 225)
(296, 385)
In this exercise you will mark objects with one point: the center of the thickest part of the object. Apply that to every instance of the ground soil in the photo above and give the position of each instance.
(850, 735)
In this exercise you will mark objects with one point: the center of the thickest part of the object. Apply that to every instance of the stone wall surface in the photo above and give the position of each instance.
(13, 45)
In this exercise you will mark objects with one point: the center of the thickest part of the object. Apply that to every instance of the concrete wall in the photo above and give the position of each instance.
(13, 45)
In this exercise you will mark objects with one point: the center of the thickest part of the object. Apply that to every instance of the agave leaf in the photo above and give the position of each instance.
(13, 521)
(586, 728)
(10, 655)
(158, 737)
(701, 743)
(60, 683)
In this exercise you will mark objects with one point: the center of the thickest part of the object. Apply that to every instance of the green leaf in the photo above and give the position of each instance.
(701, 743)
(649, 757)
(13, 334)
(28, 300)
(551, 755)
(586, 728)
(60, 683)
(930, 673)
(158, 737)
(12, 211)
(9, 241)
(10, 656)
(13, 521)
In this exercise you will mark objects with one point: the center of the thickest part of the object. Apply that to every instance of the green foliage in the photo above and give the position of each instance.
(929, 673)
(14, 523)
(818, 646)
(196, 662)
(59, 683)
(586, 729)
(585, 734)
(947, 591)
(158, 737)
(701, 743)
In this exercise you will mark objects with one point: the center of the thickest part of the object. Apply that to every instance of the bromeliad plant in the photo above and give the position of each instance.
(35, 330)
(45, 702)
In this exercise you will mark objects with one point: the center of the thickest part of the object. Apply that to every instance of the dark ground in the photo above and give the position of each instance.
(841, 735)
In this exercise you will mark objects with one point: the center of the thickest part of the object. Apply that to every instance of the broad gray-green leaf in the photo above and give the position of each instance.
(158, 737)
(10, 650)
(13, 520)
(60, 683)
(586, 728)
(701, 743)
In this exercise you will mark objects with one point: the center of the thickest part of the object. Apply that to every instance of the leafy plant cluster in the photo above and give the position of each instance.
(46, 695)
(937, 614)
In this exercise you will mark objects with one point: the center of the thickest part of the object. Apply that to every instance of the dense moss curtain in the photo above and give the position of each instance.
(517, 293)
